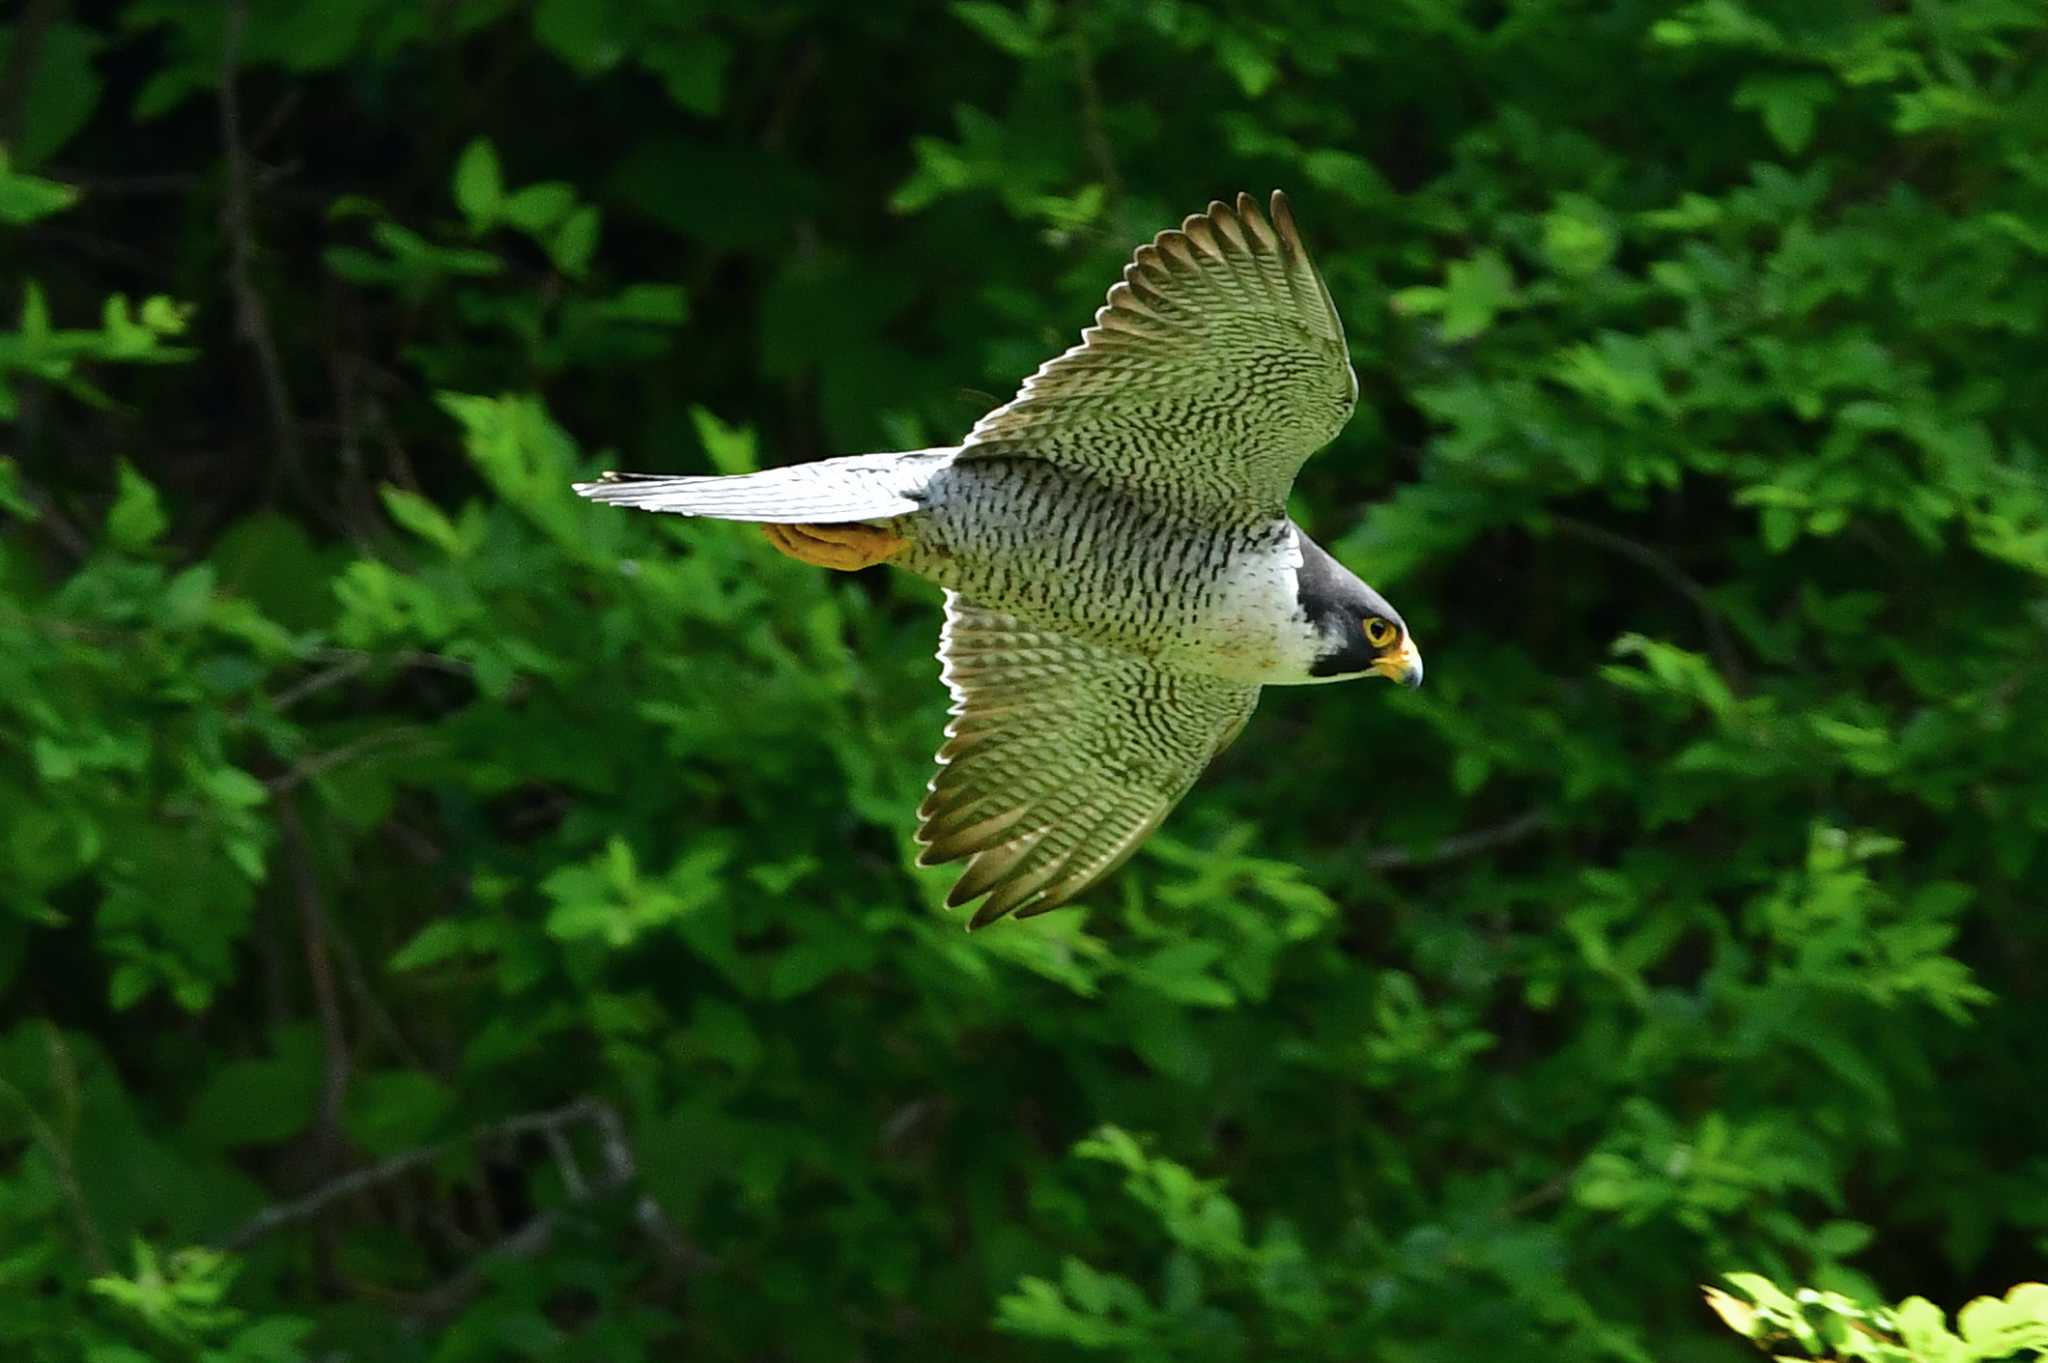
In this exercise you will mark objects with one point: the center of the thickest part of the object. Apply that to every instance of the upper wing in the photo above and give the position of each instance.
(1216, 368)
(1061, 758)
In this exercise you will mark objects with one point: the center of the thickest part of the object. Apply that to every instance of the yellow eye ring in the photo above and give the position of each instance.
(1378, 632)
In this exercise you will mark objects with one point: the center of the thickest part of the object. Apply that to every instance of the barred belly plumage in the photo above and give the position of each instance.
(1067, 552)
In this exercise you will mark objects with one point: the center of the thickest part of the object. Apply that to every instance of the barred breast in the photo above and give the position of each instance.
(1064, 551)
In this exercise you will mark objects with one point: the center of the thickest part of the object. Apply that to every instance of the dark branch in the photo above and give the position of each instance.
(251, 318)
(1719, 642)
(282, 1214)
(329, 1144)
(1518, 829)
(619, 1170)
(69, 537)
(346, 664)
(1094, 130)
(320, 763)
(448, 1297)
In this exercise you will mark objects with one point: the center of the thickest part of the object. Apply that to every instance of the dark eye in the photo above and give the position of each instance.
(1379, 633)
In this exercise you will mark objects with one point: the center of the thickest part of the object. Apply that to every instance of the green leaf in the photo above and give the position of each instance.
(1180, 972)
(1924, 1330)
(25, 198)
(270, 561)
(1019, 34)
(1248, 63)
(258, 1102)
(1789, 105)
(438, 941)
(13, 497)
(723, 1031)
(537, 208)
(479, 185)
(575, 242)
(137, 517)
(233, 787)
(589, 37)
(274, 1339)
(396, 1110)
(418, 258)
(810, 963)
(107, 1351)
(730, 448)
(651, 304)
(423, 518)
(1841, 1239)
(59, 92)
(692, 69)
(1578, 237)
(1475, 291)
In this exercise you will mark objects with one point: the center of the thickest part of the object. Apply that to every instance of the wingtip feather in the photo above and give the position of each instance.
(1255, 222)
(1283, 223)
(609, 478)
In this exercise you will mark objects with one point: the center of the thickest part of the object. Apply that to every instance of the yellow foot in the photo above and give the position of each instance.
(843, 547)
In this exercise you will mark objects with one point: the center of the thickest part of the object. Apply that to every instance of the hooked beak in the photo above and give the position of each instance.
(1403, 665)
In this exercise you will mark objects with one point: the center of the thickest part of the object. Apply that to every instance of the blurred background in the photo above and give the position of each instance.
(444, 920)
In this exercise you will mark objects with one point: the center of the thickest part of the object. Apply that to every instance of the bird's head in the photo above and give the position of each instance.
(1357, 634)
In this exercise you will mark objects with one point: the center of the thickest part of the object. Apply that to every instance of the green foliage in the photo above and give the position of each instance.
(447, 921)
(564, 324)
(1832, 1325)
(38, 350)
(179, 1304)
(1212, 1267)
(24, 198)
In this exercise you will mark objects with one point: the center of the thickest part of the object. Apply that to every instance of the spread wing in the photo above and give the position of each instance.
(1216, 368)
(1061, 758)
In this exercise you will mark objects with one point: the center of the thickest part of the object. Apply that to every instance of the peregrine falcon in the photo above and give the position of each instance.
(1120, 572)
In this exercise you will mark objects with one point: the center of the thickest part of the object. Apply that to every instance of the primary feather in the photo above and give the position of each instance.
(1061, 758)
(1214, 370)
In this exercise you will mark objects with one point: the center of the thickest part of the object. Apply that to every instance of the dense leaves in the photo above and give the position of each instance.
(446, 920)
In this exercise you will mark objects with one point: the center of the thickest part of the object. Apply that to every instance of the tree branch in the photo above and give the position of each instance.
(328, 1140)
(619, 1171)
(368, 1006)
(450, 1295)
(1719, 642)
(345, 664)
(57, 1147)
(320, 763)
(1094, 131)
(340, 672)
(1518, 829)
(69, 537)
(282, 1214)
(251, 318)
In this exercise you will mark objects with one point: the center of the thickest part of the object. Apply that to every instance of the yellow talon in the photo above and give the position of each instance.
(843, 548)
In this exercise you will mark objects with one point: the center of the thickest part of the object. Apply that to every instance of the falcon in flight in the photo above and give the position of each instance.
(1121, 575)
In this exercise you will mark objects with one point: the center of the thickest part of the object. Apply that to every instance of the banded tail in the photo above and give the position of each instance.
(855, 487)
